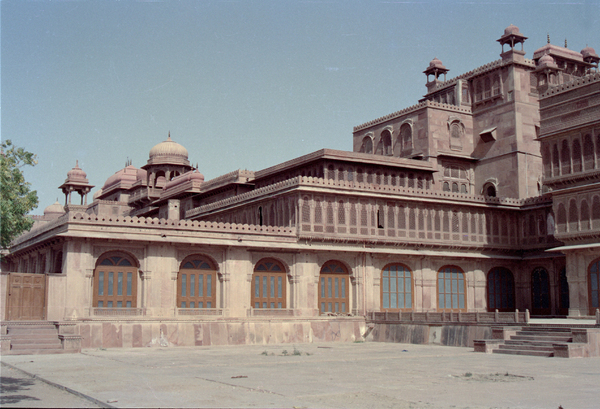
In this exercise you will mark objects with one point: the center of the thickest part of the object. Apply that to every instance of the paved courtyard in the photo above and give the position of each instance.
(342, 375)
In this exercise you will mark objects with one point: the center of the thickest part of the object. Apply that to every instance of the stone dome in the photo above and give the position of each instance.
(76, 174)
(55, 209)
(546, 61)
(588, 52)
(436, 63)
(169, 148)
(512, 29)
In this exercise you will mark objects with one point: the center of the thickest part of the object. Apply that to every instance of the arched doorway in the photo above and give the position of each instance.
(451, 289)
(333, 288)
(594, 286)
(563, 293)
(501, 290)
(540, 292)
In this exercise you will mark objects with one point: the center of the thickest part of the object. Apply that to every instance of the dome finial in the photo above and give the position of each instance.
(548, 38)
(76, 163)
(169, 138)
(565, 43)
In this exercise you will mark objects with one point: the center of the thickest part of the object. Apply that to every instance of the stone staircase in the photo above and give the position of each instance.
(543, 340)
(36, 337)
(535, 341)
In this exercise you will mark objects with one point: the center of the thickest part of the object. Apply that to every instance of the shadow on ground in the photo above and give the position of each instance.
(11, 386)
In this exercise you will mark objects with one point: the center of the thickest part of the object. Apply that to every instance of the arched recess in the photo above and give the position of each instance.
(501, 290)
(115, 281)
(594, 286)
(540, 292)
(405, 139)
(563, 292)
(334, 286)
(490, 189)
(565, 158)
(396, 288)
(269, 285)
(451, 289)
(197, 282)
(386, 142)
(367, 144)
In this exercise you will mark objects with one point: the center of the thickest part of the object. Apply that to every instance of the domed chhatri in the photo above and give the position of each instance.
(546, 61)
(436, 63)
(435, 68)
(76, 174)
(512, 29)
(512, 36)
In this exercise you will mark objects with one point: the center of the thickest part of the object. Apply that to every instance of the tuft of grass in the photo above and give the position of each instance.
(285, 352)
(265, 353)
(468, 374)
(296, 352)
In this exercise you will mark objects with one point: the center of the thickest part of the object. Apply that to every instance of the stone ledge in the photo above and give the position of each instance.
(486, 345)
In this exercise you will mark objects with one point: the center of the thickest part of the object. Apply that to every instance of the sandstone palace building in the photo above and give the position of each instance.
(481, 199)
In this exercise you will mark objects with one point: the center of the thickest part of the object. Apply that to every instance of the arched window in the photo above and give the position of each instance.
(386, 141)
(451, 289)
(333, 288)
(456, 133)
(561, 219)
(367, 145)
(585, 216)
(501, 290)
(406, 137)
(196, 283)
(489, 190)
(576, 156)
(396, 288)
(115, 282)
(555, 161)
(594, 286)
(596, 213)
(573, 216)
(269, 285)
(547, 161)
(588, 152)
(540, 292)
(565, 158)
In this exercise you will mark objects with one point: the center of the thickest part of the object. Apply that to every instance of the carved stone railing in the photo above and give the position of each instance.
(116, 312)
(199, 311)
(270, 312)
(516, 317)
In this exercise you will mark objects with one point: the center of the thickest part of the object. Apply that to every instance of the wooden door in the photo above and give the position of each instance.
(26, 296)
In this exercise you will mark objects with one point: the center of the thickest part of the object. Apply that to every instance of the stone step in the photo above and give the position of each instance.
(35, 345)
(522, 352)
(38, 351)
(533, 343)
(520, 347)
(29, 338)
(554, 338)
(545, 333)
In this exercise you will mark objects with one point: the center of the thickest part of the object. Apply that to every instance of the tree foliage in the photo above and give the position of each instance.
(16, 197)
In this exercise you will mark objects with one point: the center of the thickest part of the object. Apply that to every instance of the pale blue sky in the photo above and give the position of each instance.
(240, 84)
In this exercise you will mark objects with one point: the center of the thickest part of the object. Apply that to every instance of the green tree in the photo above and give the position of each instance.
(16, 197)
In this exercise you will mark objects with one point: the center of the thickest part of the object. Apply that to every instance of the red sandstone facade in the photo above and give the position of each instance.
(448, 206)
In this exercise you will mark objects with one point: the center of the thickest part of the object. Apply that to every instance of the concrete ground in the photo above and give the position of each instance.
(332, 375)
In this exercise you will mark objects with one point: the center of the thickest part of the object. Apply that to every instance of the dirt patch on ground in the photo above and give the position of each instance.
(496, 377)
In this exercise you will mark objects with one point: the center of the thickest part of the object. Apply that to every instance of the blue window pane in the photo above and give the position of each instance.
(128, 304)
(256, 305)
(400, 285)
(257, 286)
(272, 287)
(100, 304)
(192, 285)
(201, 304)
(279, 287)
(461, 301)
(407, 285)
(323, 287)
(393, 284)
(209, 285)
(408, 300)
(265, 290)
(454, 286)
(448, 301)
(337, 288)
(129, 278)
(264, 305)
(386, 300)
(329, 288)
(110, 283)
(272, 305)
(441, 300)
(329, 307)
(183, 285)
(337, 307)
(454, 300)
(401, 300)
(119, 304)
(279, 305)
(109, 304)
(101, 283)
(200, 285)
(343, 307)
(323, 306)
(192, 304)
(386, 285)
(209, 304)
(441, 285)
(393, 300)
(343, 288)
(119, 283)
(183, 304)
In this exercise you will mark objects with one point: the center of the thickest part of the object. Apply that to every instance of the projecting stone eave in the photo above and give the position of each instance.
(346, 157)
